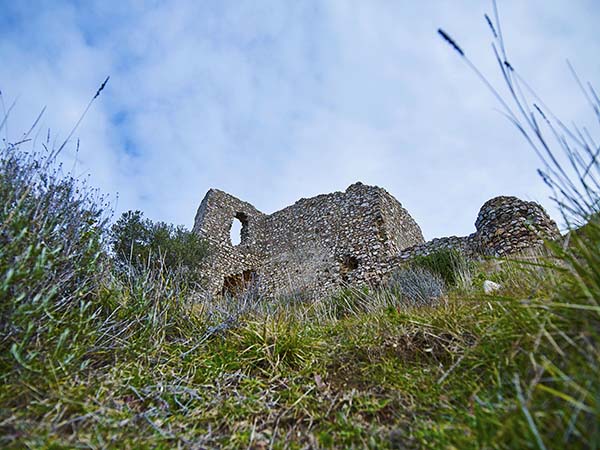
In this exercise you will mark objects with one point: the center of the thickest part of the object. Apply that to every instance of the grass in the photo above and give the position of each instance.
(156, 371)
(449, 264)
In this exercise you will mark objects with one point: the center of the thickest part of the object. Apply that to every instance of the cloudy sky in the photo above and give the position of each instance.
(277, 100)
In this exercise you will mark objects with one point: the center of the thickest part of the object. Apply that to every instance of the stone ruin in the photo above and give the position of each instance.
(504, 226)
(351, 238)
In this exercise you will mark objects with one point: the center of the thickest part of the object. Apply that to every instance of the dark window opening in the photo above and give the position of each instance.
(348, 264)
(234, 285)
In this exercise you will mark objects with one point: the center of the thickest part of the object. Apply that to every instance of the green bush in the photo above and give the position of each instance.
(61, 305)
(140, 243)
(418, 286)
(51, 259)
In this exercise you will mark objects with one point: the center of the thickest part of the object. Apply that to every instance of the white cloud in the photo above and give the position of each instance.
(274, 101)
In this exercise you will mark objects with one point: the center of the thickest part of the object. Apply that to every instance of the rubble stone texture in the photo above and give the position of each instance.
(504, 226)
(356, 237)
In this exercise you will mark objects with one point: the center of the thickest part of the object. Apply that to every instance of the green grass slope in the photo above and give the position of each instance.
(94, 357)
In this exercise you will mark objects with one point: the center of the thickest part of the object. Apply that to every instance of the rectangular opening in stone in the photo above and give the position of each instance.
(234, 285)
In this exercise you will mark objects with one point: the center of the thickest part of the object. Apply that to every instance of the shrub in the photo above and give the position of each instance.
(418, 286)
(451, 265)
(51, 257)
(62, 310)
(346, 302)
(139, 242)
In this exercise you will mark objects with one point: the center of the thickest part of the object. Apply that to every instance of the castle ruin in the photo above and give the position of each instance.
(355, 237)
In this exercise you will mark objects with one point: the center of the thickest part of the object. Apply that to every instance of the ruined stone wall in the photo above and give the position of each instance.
(326, 241)
(464, 244)
(505, 226)
(316, 245)
(356, 237)
(400, 229)
(213, 223)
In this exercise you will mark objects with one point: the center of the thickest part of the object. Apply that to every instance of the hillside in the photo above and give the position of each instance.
(97, 354)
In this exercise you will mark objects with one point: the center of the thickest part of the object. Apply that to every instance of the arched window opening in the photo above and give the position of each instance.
(239, 229)
(236, 232)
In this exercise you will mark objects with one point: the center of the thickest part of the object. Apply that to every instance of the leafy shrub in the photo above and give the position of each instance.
(139, 242)
(346, 302)
(418, 286)
(60, 303)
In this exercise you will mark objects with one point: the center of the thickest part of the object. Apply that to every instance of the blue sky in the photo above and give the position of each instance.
(277, 100)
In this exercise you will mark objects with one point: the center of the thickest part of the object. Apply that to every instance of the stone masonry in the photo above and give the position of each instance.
(504, 226)
(313, 246)
(356, 237)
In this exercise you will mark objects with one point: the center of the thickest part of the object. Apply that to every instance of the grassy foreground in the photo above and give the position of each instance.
(94, 357)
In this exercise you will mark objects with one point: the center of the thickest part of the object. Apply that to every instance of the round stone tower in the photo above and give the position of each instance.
(508, 225)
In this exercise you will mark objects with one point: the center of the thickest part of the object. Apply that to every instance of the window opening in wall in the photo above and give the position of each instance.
(236, 232)
(348, 264)
(239, 229)
(234, 285)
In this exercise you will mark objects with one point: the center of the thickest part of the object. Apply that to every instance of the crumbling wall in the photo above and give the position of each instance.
(505, 226)
(356, 237)
(316, 245)
(213, 223)
(463, 244)
(323, 242)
